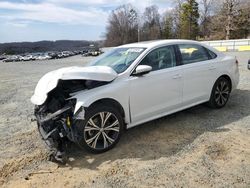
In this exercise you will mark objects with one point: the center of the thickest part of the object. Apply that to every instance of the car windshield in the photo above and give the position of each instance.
(118, 59)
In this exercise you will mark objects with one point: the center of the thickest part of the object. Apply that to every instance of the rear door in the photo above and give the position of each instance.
(159, 91)
(199, 73)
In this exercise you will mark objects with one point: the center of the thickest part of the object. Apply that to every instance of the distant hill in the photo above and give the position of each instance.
(45, 46)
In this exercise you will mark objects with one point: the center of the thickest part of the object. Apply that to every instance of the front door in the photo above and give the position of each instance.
(158, 92)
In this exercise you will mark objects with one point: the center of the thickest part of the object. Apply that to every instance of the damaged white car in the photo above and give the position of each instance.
(127, 86)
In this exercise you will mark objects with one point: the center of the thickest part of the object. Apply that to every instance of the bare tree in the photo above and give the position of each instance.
(122, 26)
(205, 16)
(151, 27)
(177, 4)
(223, 19)
(230, 7)
(241, 22)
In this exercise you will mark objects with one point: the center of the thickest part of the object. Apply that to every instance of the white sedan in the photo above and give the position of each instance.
(127, 86)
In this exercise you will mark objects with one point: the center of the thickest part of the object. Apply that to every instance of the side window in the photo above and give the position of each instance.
(212, 54)
(160, 58)
(192, 53)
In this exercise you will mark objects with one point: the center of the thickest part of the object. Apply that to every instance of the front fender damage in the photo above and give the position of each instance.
(57, 115)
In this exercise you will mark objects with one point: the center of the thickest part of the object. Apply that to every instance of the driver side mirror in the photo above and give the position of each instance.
(248, 66)
(141, 70)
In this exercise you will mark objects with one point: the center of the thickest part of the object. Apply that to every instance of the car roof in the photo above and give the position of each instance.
(155, 43)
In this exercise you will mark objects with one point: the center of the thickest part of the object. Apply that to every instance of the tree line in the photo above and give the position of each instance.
(44, 46)
(188, 19)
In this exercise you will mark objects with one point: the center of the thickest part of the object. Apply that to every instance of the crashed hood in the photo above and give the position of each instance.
(49, 81)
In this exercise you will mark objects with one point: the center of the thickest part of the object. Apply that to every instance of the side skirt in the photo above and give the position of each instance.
(164, 114)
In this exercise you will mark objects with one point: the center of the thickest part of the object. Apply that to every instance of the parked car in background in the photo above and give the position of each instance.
(127, 86)
(26, 58)
(2, 57)
(92, 53)
(53, 55)
(86, 54)
(43, 57)
(13, 58)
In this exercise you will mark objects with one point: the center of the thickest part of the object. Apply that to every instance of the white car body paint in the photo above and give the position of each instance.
(145, 98)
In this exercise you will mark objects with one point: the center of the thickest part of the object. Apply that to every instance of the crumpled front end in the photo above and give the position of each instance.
(50, 80)
(55, 104)
(55, 128)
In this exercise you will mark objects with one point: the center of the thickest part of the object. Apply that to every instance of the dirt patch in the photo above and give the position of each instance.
(15, 165)
(217, 151)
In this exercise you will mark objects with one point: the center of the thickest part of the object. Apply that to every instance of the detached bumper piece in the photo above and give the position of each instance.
(55, 130)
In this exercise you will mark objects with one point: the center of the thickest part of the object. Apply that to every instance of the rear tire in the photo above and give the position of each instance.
(101, 130)
(220, 93)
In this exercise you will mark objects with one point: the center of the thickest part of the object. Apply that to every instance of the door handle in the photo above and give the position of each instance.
(177, 76)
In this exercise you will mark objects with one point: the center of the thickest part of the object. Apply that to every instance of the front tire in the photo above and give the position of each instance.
(220, 93)
(101, 130)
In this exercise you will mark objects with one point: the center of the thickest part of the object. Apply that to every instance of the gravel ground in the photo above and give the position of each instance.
(198, 147)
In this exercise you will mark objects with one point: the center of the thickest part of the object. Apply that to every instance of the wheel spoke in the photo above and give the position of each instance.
(92, 123)
(112, 125)
(88, 128)
(105, 143)
(89, 141)
(106, 118)
(95, 140)
(108, 138)
(225, 92)
(223, 99)
(226, 89)
(217, 98)
(113, 129)
(222, 85)
(102, 115)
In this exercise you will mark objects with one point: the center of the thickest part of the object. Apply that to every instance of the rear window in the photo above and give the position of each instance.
(192, 53)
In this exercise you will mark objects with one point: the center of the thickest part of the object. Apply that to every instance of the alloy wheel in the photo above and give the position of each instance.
(222, 92)
(101, 130)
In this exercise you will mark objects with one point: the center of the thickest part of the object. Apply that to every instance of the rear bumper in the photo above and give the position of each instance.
(235, 79)
(236, 82)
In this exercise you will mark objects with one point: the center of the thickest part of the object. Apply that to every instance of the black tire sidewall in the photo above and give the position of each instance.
(80, 125)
